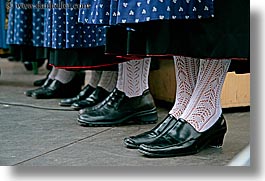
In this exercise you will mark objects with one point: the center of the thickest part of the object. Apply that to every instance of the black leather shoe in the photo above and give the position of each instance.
(119, 109)
(39, 82)
(59, 90)
(45, 85)
(87, 110)
(150, 136)
(83, 94)
(182, 139)
(98, 95)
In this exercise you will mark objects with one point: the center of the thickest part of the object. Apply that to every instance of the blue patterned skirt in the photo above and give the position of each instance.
(19, 24)
(62, 29)
(216, 29)
(125, 11)
(25, 34)
(3, 27)
(73, 44)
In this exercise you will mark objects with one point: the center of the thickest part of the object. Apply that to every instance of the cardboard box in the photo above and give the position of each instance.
(235, 92)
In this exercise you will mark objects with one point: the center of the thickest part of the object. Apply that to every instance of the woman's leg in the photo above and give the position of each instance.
(204, 107)
(93, 78)
(186, 70)
(129, 101)
(105, 85)
(202, 122)
(133, 77)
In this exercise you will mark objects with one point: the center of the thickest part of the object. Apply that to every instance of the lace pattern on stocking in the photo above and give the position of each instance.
(204, 107)
(186, 70)
(53, 73)
(93, 77)
(65, 76)
(133, 77)
(108, 80)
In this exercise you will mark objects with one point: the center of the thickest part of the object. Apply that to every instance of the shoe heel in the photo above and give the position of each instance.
(218, 141)
(150, 118)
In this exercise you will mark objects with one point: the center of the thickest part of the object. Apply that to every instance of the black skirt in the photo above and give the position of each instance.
(83, 58)
(27, 53)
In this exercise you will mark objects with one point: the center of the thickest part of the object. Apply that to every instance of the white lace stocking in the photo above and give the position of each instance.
(64, 76)
(93, 77)
(133, 77)
(186, 70)
(108, 80)
(204, 107)
(53, 73)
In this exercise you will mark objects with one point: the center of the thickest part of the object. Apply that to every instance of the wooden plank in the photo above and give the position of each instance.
(235, 92)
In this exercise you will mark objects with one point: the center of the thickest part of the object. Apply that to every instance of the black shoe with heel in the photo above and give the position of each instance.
(182, 139)
(119, 109)
(59, 90)
(46, 84)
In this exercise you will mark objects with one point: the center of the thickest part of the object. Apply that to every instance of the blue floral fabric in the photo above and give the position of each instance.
(51, 26)
(37, 24)
(26, 25)
(129, 11)
(19, 24)
(62, 29)
(95, 11)
(3, 27)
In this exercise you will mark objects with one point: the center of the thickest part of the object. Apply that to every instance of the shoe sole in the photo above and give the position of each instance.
(131, 146)
(64, 105)
(144, 117)
(28, 94)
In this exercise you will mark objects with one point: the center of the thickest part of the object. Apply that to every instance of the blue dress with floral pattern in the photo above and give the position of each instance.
(3, 24)
(130, 11)
(62, 29)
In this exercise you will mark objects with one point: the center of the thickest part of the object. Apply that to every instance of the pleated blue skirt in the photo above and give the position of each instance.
(126, 11)
(62, 29)
(3, 24)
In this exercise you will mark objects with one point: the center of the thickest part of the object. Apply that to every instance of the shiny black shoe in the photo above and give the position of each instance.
(83, 94)
(39, 82)
(119, 109)
(150, 136)
(182, 139)
(59, 90)
(98, 95)
(45, 85)
(87, 110)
